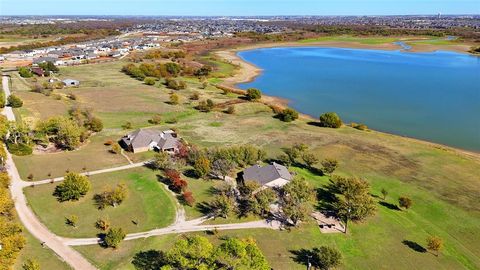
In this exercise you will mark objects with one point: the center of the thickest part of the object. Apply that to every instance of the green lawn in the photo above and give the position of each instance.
(377, 242)
(443, 183)
(43, 255)
(148, 204)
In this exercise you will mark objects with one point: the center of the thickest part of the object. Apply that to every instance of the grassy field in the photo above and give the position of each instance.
(378, 242)
(443, 183)
(44, 256)
(148, 204)
(362, 40)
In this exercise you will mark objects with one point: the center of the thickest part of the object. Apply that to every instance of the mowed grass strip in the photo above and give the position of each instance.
(148, 204)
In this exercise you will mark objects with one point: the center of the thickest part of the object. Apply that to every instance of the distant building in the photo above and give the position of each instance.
(274, 175)
(71, 82)
(38, 71)
(143, 140)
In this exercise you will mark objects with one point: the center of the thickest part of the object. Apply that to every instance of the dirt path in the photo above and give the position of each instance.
(26, 215)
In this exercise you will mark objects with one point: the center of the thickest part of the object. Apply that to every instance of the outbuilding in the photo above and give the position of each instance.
(71, 82)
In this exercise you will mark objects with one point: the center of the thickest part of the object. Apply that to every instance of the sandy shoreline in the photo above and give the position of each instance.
(247, 72)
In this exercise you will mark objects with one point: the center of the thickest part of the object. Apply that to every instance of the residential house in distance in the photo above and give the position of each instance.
(71, 82)
(143, 140)
(38, 71)
(273, 175)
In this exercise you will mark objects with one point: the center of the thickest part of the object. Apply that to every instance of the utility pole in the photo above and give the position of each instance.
(309, 264)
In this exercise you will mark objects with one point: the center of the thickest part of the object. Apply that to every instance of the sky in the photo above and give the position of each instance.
(237, 7)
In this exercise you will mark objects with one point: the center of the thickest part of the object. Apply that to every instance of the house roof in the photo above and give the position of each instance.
(144, 137)
(266, 174)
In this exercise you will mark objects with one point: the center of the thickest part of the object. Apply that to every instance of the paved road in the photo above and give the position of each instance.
(29, 219)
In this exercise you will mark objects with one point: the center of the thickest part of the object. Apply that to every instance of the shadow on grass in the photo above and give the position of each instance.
(302, 256)
(414, 246)
(390, 206)
(150, 259)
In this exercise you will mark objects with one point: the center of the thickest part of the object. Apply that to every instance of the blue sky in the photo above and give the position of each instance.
(237, 7)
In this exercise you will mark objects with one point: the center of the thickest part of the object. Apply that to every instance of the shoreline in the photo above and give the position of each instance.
(248, 72)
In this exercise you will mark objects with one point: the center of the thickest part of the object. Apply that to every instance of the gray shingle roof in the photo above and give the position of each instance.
(266, 174)
(144, 137)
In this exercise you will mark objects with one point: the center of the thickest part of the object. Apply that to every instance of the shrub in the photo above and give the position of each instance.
(288, 115)
(253, 94)
(195, 96)
(405, 202)
(326, 257)
(205, 106)
(230, 110)
(2, 99)
(116, 148)
(156, 119)
(19, 149)
(329, 165)
(359, 126)
(14, 101)
(108, 143)
(174, 84)
(31, 264)
(149, 81)
(174, 99)
(187, 197)
(127, 125)
(331, 120)
(102, 224)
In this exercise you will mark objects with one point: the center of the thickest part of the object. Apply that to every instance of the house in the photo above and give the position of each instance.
(71, 82)
(148, 139)
(38, 71)
(274, 175)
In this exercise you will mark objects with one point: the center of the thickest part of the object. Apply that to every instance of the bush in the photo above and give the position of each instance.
(359, 126)
(127, 125)
(19, 149)
(230, 110)
(2, 99)
(288, 115)
(149, 81)
(195, 96)
(188, 198)
(14, 101)
(205, 106)
(253, 94)
(156, 119)
(331, 120)
(174, 84)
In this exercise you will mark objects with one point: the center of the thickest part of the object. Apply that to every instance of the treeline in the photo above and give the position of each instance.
(387, 31)
(11, 237)
(89, 35)
(157, 70)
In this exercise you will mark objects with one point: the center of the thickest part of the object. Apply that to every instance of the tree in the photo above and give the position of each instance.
(114, 237)
(2, 99)
(384, 193)
(192, 252)
(329, 165)
(253, 94)
(353, 200)
(73, 187)
(174, 99)
(237, 253)
(260, 205)
(331, 120)
(31, 264)
(95, 124)
(72, 220)
(188, 198)
(25, 72)
(202, 166)
(149, 81)
(69, 134)
(292, 154)
(127, 125)
(222, 168)
(14, 101)
(173, 68)
(203, 71)
(310, 159)
(296, 200)
(435, 244)
(288, 115)
(405, 202)
(102, 224)
(326, 257)
(162, 161)
(113, 197)
(222, 206)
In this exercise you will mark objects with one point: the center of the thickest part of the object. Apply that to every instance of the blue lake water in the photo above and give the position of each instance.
(432, 96)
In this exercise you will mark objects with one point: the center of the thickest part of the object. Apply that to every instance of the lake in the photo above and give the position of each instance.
(432, 96)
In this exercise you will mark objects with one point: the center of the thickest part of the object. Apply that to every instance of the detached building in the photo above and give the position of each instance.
(71, 82)
(148, 139)
(274, 175)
